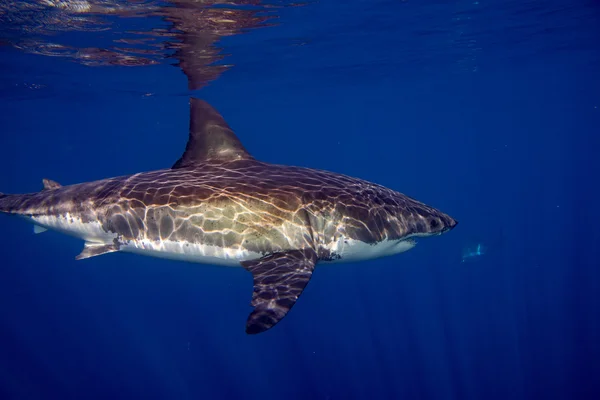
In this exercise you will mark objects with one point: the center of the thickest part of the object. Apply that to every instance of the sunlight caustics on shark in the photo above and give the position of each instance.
(218, 205)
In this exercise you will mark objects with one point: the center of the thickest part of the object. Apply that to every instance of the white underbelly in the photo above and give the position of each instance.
(349, 250)
(184, 251)
(191, 252)
(73, 225)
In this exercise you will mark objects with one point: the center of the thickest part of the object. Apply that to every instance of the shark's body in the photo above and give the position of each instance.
(219, 205)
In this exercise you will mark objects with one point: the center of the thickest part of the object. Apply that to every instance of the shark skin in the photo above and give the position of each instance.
(218, 205)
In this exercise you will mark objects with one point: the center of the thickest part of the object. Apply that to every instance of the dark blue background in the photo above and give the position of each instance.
(489, 112)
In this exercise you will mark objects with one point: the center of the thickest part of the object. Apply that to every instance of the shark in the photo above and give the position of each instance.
(219, 205)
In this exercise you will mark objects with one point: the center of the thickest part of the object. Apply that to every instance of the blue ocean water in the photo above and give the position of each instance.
(487, 110)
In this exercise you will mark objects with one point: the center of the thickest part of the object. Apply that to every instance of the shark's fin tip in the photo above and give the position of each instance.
(96, 249)
(39, 229)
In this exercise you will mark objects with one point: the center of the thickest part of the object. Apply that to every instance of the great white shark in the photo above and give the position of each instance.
(219, 205)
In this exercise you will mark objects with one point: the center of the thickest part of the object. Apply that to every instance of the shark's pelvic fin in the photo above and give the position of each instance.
(210, 138)
(96, 249)
(279, 279)
(50, 184)
(39, 229)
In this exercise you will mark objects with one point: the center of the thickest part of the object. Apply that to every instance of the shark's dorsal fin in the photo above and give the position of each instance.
(211, 138)
(50, 184)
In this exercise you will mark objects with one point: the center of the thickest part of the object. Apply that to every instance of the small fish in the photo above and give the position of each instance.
(471, 253)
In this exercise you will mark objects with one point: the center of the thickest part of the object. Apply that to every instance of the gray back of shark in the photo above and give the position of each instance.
(219, 205)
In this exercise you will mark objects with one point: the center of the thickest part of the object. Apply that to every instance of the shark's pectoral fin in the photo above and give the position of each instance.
(96, 249)
(279, 279)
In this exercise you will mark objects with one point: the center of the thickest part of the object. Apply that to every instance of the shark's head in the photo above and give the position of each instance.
(411, 219)
(382, 222)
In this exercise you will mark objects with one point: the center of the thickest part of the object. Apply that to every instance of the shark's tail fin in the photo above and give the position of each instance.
(20, 203)
(2, 203)
(6, 203)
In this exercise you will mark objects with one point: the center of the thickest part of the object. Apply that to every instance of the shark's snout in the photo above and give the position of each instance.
(449, 223)
(436, 222)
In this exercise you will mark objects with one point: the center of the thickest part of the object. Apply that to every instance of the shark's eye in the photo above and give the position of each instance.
(433, 223)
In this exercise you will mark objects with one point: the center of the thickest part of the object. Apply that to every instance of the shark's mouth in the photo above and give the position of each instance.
(351, 250)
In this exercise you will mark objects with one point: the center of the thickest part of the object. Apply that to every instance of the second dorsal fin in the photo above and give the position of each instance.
(210, 138)
(49, 184)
